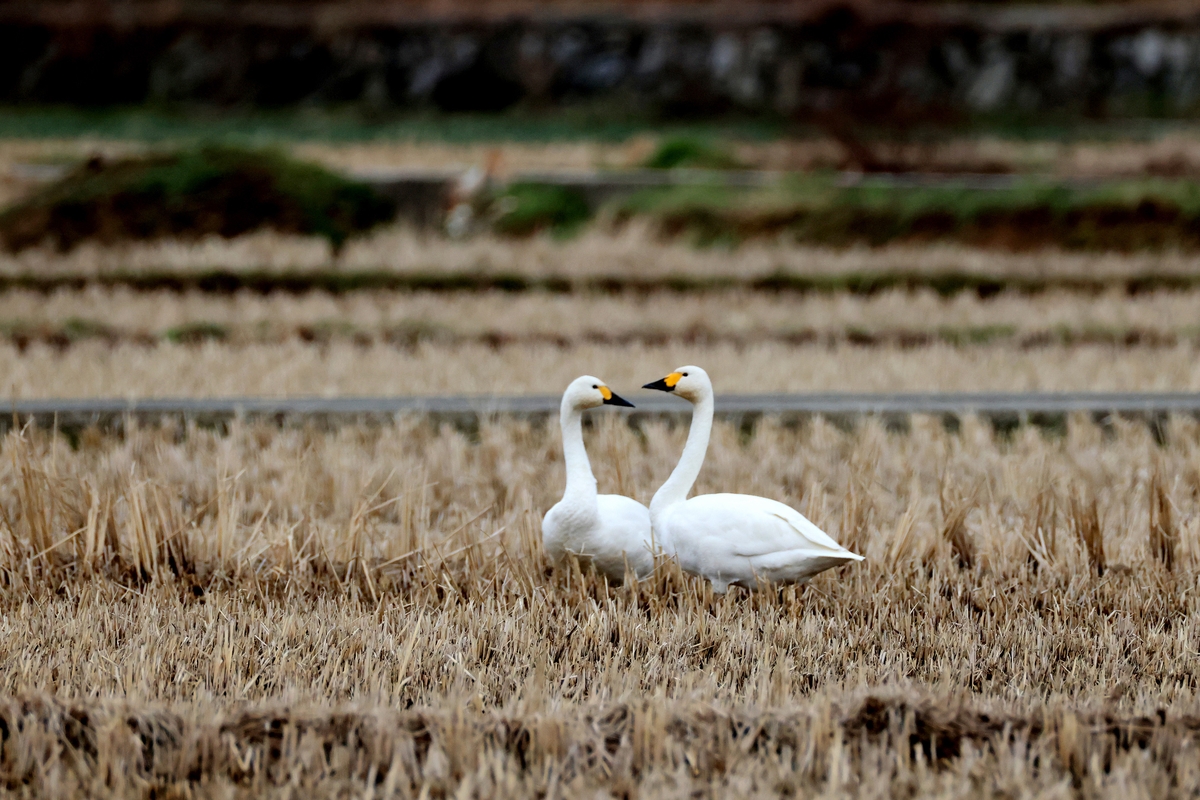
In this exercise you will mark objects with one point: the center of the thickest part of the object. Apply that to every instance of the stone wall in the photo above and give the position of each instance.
(849, 61)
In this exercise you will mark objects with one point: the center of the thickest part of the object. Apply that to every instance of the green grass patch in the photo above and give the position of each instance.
(526, 208)
(77, 329)
(689, 152)
(193, 192)
(197, 333)
(976, 335)
(1122, 215)
(604, 120)
(70, 331)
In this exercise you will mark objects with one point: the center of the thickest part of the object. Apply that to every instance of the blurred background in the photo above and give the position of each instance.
(288, 198)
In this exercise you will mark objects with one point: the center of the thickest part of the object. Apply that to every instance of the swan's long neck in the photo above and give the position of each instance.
(581, 483)
(676, 488)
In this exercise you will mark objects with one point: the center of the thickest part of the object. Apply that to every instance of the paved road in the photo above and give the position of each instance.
(1013, 407)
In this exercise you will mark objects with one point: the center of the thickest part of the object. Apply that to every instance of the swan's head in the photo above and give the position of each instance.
(589, 392)
(690, 383)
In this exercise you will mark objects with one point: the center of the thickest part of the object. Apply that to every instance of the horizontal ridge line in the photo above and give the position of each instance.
(822, 403)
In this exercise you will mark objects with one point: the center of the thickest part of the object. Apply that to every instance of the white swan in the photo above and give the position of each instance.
(731, 538)
(607, 530)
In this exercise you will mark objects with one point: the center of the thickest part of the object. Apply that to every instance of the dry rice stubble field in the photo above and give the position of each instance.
(120, 342)
(195, 613)
(98, 342)
(295, 369)
(633, 251)
(368, 608)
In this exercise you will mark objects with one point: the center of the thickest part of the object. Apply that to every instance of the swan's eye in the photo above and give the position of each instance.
(685, 374)
(595, 386)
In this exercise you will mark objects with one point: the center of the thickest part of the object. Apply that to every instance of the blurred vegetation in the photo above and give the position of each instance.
(260, 127)
(947, 283)
(527, 208)
(688, 152)
(1119, 215)
(583, 122)
(197, 333)
(191, 193)
(411, 333)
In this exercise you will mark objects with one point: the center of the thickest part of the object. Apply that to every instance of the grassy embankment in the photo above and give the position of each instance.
(228, 191)
(817, 209)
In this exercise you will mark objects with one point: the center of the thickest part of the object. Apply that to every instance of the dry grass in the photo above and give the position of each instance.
(385, 343)
(634, 251)
(342, 368)
(1170, 154)
(368, 608)
(1065, 158)
(730, 314)
(98, 342)
(17, 154)
(504, 158)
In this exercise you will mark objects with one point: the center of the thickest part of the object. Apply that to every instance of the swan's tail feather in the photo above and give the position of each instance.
(797, 566)
(812, 534)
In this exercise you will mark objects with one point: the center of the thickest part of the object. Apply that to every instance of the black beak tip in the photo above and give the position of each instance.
(660, 385)
(617, 400)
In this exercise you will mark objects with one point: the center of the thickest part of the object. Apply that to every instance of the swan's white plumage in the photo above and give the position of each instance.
(732, 538)
(619, 533)
(606, 530)
(742, 539)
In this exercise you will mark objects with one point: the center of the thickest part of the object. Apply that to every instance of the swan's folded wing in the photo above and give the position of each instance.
(625, 538)
(805, 527)
(624, 512)
(764, 526)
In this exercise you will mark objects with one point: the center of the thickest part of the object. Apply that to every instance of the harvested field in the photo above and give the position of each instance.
(368, 609)
(120, 343)
(632, 253)
(505, 318)
(341, 368)
(1170, 154)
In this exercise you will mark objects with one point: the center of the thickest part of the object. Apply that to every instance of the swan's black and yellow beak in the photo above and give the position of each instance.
(611, 399)
(667, 384)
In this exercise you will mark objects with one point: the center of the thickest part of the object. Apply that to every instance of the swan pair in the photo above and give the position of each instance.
(727, 538)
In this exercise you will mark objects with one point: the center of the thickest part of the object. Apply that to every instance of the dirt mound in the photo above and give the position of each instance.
(193, 193)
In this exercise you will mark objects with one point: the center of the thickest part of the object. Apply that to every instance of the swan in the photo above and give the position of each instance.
(731, 538)
(607, 530)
